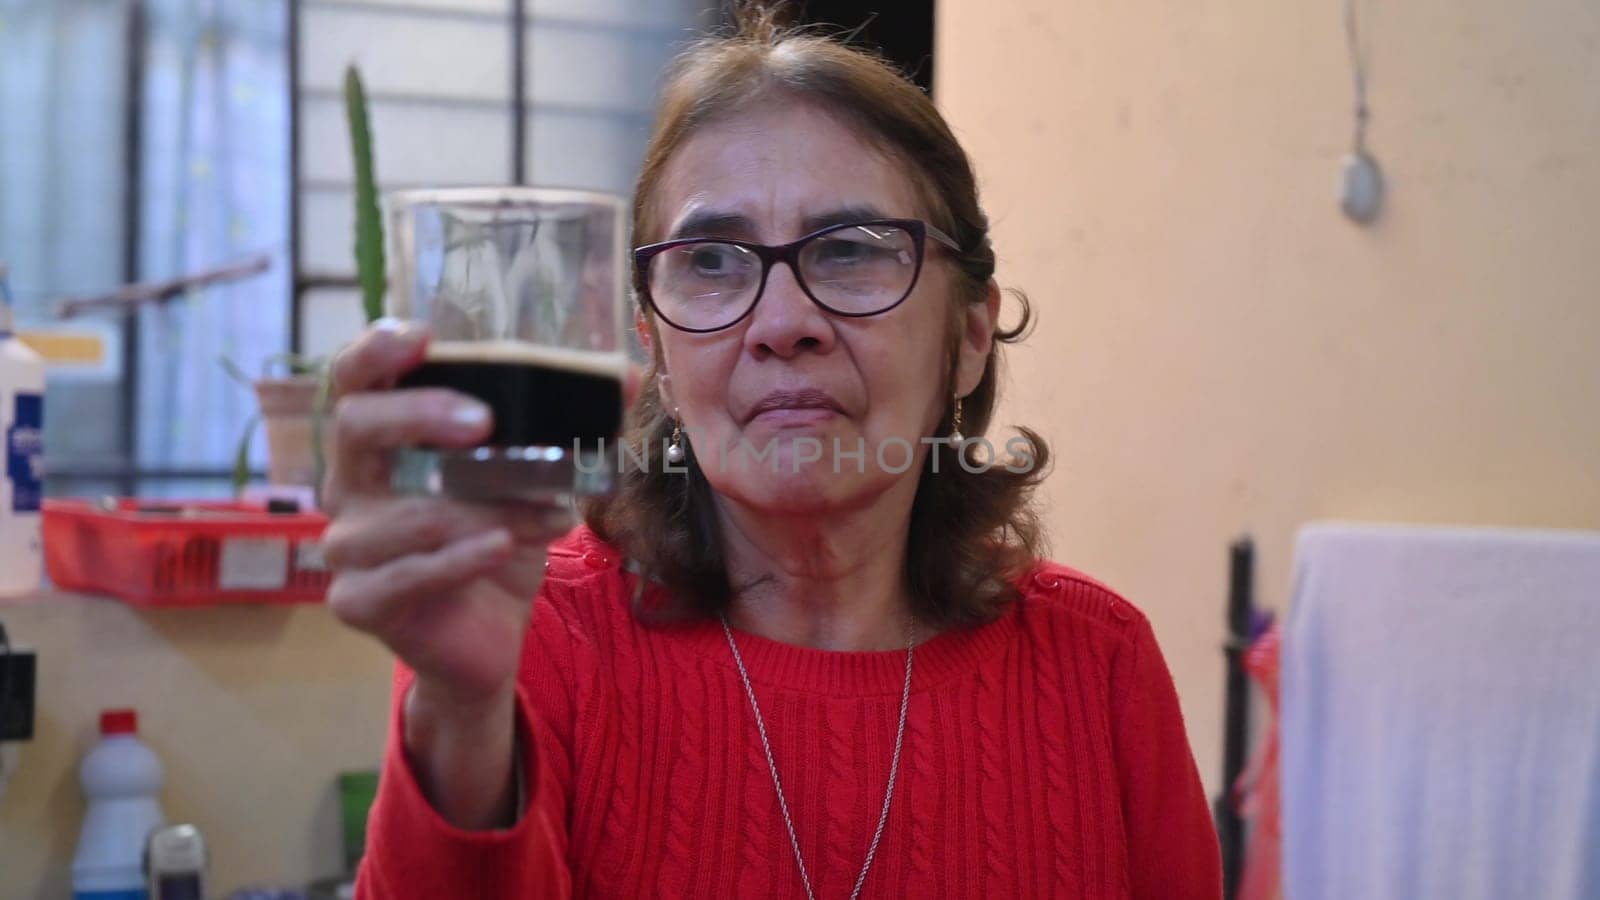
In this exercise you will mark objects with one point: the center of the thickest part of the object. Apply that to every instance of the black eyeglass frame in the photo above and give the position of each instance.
(789, 254)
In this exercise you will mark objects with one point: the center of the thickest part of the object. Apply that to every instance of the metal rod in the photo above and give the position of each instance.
(312, 281)
(118, 471)
(453, 12)
(519, 92)
(132, 202)
(1236, 716)
(130, 297)
(296, 289)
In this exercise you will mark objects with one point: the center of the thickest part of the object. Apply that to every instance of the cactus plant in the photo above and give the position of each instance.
(369, 226)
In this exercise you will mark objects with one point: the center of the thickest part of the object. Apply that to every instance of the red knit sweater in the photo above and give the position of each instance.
(1044, 756)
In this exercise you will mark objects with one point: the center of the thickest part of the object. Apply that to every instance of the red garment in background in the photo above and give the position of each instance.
(1257, 792)
(1044, 756)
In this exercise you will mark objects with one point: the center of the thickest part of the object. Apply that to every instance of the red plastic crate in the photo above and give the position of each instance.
(185, 553)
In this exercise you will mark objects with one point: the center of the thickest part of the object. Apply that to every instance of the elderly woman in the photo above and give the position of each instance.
(833, 668)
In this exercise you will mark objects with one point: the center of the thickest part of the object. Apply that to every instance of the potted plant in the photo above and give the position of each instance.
(287, 397)
(292, 392)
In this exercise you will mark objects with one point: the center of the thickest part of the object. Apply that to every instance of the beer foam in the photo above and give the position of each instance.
(583, 362)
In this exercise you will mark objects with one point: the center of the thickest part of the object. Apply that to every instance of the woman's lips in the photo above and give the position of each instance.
(794, 416)
(802, 407)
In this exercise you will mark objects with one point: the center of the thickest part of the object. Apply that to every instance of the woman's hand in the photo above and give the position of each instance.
(447, 586)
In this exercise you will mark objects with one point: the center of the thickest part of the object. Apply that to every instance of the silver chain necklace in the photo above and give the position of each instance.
(783, 805)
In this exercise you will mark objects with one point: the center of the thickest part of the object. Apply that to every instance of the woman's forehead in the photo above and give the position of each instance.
(778, 170)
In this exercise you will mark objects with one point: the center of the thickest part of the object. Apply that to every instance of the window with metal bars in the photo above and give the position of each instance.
(149, 139)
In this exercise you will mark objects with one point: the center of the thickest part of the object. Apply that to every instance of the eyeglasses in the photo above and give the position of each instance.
(860, 269)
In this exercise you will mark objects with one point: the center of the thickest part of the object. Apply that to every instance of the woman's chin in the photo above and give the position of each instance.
(811, 488)
(775, 452)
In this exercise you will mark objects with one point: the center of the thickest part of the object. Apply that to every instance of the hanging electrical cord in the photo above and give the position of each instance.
(1358, 71)
(1361, 192)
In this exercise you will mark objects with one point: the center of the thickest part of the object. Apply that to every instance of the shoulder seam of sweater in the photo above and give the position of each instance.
(1103, 609)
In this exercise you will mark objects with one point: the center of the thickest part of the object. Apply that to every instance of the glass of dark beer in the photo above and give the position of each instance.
(523, 290)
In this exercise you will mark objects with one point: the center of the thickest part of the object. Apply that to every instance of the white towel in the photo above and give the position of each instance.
(1441, 715)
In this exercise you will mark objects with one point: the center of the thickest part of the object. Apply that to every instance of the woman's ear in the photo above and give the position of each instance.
(647, 340)
(664, 390)
(641, 326)
(977, 339)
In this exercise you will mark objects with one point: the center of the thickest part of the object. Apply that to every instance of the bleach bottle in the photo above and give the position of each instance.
(22, 481)
(121, 777)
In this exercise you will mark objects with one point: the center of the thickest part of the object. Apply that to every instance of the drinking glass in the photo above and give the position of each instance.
(523, 290)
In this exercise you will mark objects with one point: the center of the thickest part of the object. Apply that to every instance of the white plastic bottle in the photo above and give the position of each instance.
(122, 778)
(22, 480)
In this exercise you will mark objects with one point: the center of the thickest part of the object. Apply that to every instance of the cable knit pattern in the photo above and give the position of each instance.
(686, 793)
(997, 817)
(845, 846)
(1044, 756)
(1067, 752)
(922, 748)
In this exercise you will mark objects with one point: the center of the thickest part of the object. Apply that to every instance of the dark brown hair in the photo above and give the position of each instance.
(971, 533)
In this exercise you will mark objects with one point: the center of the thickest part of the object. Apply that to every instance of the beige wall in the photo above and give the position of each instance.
(1219, 351)
(253, 711)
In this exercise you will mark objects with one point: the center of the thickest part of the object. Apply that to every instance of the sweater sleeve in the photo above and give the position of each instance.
(413, 852)
(1172, 843)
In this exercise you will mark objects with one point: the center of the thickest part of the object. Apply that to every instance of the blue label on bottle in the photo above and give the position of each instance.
(133, 894)
(25, 453)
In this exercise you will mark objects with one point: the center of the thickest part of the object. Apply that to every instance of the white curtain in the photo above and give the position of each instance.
(63, 68)
(215, 185)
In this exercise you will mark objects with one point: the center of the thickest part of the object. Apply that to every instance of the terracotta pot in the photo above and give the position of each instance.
(288, 407)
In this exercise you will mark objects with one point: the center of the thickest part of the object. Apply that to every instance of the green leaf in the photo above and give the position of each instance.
(369, 224)
(233, 370)
(241, 457)
(307, 365)
(319, 415)
(286, 364)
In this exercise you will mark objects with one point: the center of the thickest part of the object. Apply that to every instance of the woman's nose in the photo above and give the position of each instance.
(785, 320)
